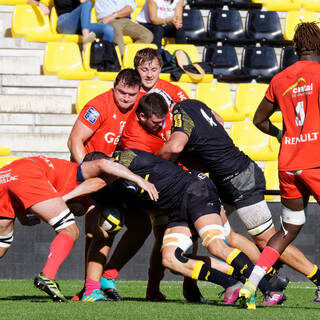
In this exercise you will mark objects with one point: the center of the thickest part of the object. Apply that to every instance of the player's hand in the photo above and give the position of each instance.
(150, 188)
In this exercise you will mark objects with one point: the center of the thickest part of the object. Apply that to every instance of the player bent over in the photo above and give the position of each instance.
(37, 185)
(192, 196)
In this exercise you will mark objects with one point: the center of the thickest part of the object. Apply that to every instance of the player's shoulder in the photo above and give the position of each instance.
(102, 102)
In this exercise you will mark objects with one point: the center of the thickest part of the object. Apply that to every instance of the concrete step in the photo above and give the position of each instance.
(35, 129)
(35, 103)
(33, 81)
(39, 119)
(20, 43)
(35, 142)
(20, 65)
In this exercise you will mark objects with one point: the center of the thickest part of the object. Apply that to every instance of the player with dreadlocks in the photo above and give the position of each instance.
(295, 91)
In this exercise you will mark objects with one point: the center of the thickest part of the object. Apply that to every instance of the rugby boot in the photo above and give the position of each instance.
(155, 296)
(193, 294)
(231, 294)
(95, 296)
(317, 295)
(108, 286)
(273, 297)
(50, 287)
(247, 295)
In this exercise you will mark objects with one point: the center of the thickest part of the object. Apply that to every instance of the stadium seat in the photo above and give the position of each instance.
(6, 160)
(193, 54)
(193, 25)
(186, 87)
(105, 76)
(295, 17)
(272, 178)
(311, 5)
(253, 142)
(241, 4)
(4, 151)
(248, 97)
(263, 25)
(225, 25)
(13, 2)
(64, 60)
(282, 5)
(259, 63)
(205, 4)
(217, 96)
(64, 36)
(30, 22)
(288, 57)
(225, 62)
(131, 50)
(87, 90)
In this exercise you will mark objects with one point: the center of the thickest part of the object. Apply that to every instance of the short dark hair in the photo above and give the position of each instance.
(307, 37)
(147, 55)
(130, 77)
(96, 155)
(153, 103)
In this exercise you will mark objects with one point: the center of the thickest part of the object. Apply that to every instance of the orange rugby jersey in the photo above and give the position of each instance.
(296, 91)
(102, 115)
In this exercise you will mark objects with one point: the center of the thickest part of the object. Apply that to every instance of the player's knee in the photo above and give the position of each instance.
(5, 243)
(173, 247)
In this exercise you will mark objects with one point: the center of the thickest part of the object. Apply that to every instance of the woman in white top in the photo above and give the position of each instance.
(164, 19)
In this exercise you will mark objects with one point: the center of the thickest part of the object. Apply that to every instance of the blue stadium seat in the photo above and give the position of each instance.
(288, 57)
(225, 25)
(264, 26)
(205, 4)
(225, 62)
(260, 63)
(242, 4)
(193, 25)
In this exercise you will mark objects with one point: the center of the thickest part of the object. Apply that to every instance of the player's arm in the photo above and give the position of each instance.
(95, 168)
(80, 133)
(87, 187)
(171, 149)
(261, 119)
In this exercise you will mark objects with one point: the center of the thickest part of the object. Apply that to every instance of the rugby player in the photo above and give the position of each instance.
(37, 185)
(295, 91)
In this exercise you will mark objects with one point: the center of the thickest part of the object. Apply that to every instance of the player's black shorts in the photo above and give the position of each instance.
(200, 198)
(243, 189)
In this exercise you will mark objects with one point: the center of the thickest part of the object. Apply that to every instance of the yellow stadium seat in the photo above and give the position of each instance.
(30, 22)
(87, 90)
(253, 142)
(193, 54)
(281, 5)
(64, 36)
(186, 87)
(295, 17)
(272, 178)
(135, 13)
(64, 60)
(106, 76)
(6, 160)
(217, 96)
(248, 97)
(310, 5)
(131, 50)
(13, 2)
(4, 151)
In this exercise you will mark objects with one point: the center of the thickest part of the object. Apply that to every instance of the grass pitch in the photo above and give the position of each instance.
(19, 300)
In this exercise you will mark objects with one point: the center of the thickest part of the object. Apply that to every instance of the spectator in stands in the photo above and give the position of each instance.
(74, 17)
(117, 14)
(164, 19)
